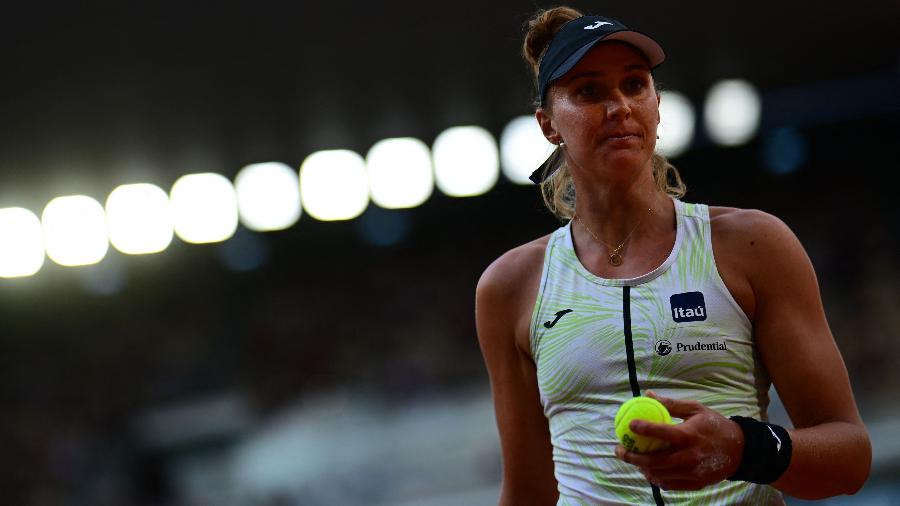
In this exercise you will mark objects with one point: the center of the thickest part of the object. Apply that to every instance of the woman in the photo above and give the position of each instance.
(706, 306)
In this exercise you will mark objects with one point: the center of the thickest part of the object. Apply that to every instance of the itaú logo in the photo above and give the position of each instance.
(688, 307)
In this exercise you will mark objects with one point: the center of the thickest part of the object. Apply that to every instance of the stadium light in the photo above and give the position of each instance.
(268, 196)
(204, 208)
(784, 150)
(21, 243)
(400, 173)
(333, 185)
(731, 112)
(139, 217)
(676, 126)
(466, 161)
(75, 230)
(523, 148)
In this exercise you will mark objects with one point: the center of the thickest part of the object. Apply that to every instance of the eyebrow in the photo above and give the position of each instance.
(596, 73)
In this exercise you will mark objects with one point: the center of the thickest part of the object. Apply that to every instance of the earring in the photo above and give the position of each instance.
(562, 144)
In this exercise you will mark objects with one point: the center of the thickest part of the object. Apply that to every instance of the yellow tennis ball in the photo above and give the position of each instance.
(640, 408)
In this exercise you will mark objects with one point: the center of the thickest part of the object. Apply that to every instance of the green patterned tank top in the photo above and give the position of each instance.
(598, 342)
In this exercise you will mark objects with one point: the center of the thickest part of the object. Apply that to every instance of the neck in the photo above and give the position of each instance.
(612, 212)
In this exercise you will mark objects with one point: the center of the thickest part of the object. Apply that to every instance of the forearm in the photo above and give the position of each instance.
(828, 459)
(528, 478)
(524, 497)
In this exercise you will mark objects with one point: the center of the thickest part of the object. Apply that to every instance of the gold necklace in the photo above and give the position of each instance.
(615, 256)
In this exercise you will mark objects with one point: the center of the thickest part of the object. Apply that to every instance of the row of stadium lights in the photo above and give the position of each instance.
(396, 173)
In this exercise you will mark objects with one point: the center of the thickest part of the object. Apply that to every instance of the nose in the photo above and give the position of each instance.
(617, 106)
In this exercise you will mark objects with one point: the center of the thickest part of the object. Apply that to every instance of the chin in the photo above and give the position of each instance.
(627, 161)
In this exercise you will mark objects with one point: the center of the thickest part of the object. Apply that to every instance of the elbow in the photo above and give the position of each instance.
(843, 474)
(860, 472)
(854, 483)
(848, 483)
(857, 472)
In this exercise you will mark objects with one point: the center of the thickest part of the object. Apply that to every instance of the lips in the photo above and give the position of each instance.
(620, 136)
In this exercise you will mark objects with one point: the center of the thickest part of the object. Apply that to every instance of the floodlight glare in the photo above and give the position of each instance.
(731, 112)
(75, 230)
(333, 185)
(139, 217)
(676, 126)
(400, 174)
(466, 162)
(523, 148)
(784, 150)
(268, 196)
(21, 243)
(204, 208)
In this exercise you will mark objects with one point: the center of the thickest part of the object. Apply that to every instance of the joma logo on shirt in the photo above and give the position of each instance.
(688, 307)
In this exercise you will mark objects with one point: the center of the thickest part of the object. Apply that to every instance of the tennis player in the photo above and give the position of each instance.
(639, 291)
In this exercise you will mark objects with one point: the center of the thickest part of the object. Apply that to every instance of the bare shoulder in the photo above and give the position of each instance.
(505, 275)
(755, 243)
(744, 220)
(749, 232)
(506, 294)
(753, 250)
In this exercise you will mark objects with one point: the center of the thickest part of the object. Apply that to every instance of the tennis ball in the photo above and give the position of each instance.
(640, 408)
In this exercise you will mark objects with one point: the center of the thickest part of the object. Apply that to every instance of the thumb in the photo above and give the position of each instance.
(677, 408)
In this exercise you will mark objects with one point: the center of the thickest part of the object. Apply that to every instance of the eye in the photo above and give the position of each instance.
(635, 84)
(588, 90)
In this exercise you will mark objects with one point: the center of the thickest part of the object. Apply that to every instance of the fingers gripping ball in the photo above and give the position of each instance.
(640, 408)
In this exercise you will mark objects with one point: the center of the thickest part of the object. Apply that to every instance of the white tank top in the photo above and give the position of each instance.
(598, 342)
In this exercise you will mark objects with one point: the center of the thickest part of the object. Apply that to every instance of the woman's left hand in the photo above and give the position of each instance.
(704, 449)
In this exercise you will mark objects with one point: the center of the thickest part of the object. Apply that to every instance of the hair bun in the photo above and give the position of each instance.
(541, 29)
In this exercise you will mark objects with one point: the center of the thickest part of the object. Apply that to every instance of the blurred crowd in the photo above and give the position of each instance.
(329, 311)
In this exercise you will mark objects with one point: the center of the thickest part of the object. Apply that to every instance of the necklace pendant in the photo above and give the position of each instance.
(615, 259)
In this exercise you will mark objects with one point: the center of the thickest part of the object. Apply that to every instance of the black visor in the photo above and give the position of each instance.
(578, 36)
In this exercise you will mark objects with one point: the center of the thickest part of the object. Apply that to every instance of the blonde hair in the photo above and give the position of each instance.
(558, 190)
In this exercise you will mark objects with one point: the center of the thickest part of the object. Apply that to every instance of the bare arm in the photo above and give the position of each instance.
(501, 299)
(832, 453)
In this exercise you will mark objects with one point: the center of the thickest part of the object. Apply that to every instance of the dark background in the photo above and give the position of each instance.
(94, 95)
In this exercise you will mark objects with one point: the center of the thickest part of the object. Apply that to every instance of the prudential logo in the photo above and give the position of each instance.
(688, 307)
(663, 347)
